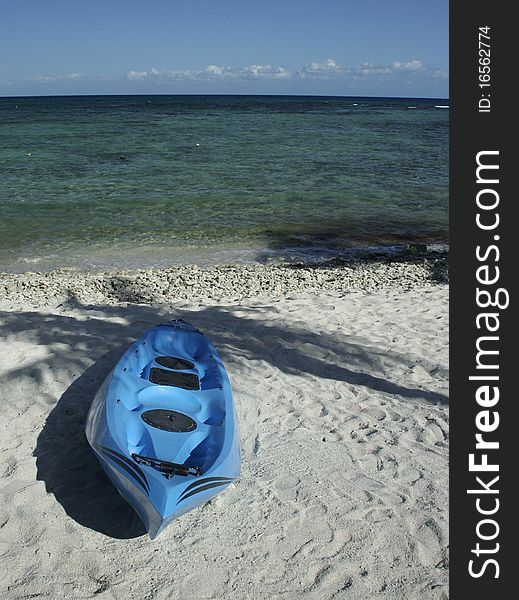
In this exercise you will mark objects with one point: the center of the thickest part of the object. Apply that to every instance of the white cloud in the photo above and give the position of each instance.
(259, 70)
(371, 69)
(155, 74)
(318, 70)
(215, 70)
(439, 73)
(282, 73)
(244, 72)
(328, 65)
(137, 75)
(412, 65)
(55, 78)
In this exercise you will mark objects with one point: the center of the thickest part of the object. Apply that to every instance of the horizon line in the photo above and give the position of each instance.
(2, 97)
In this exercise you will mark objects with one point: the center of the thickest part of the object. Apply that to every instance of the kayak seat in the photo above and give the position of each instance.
(175, 363)
(186, 381)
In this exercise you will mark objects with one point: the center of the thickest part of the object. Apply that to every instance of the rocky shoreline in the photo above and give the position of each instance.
(234, 282)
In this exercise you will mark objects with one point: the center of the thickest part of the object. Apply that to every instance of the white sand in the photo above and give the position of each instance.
(342, 404)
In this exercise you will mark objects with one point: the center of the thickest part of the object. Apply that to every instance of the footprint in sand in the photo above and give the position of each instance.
(286, 488)
(376, 413)
(428, 543)
(10, 466)
(301, 534)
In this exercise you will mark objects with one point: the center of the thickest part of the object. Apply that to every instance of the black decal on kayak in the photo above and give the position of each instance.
(205, 480)
(125, 458)
(203, 488)
(131, 468)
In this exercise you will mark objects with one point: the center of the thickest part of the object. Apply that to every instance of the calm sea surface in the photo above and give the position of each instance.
(127, 181)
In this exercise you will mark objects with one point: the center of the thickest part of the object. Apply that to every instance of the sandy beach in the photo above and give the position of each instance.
(340, 377)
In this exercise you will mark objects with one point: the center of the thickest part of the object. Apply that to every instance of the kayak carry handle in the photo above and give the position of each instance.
(168, 469)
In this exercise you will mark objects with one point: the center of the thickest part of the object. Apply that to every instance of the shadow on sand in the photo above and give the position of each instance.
(68, 467)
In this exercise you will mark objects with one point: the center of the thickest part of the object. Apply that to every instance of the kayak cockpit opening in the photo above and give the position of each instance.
(168, 469)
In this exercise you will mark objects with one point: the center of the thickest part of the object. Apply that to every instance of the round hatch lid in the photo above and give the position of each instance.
(169, 420)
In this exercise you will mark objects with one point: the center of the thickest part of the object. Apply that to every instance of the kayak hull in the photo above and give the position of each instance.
(163, 425)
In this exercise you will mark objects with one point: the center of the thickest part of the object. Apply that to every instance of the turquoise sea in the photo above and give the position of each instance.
(126, 181)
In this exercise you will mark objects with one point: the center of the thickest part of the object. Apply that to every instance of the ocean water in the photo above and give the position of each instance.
(132, 181)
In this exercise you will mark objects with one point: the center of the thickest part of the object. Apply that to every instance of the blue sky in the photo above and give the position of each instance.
(366, 47)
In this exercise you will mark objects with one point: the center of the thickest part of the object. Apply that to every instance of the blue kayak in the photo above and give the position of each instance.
(163, 424)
